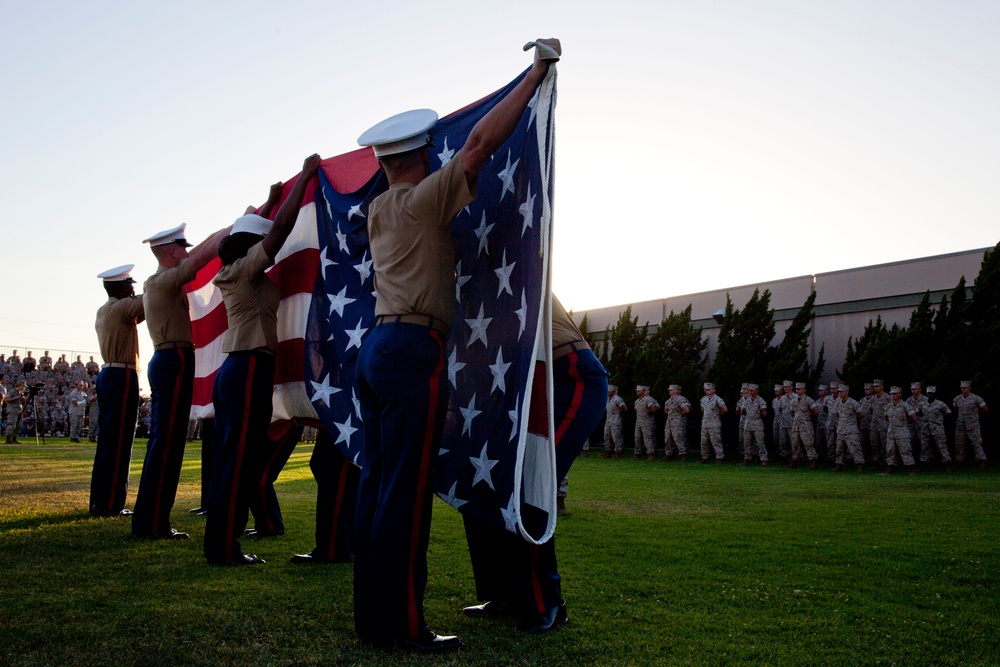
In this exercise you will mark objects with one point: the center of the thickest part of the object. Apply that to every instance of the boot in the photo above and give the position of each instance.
(924, 466)
(607, 454)
(947, 467)
(651, 457)
(890, 470)
(667, 457)
(7, 441)
(861, 468)
(838, 468)
(813, 465)
(703, 461)
(980, 465)
(912, 469)
(763, 464)
(718, 461)
(561, 506)
(684, 458)
(618, 455)
(792, 465)
(744, 463)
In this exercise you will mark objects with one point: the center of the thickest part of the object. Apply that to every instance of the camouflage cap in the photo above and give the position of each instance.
(752, 387)
(800, 385)
(895, 390)
(709, 385)
(674, 387)
(931, 389)
(777, 387)
(965, 384)
(786, 383)
(843, 387)
(869, 385)
(822, 387)
(877, 383)
(915, 385)
(641, 387)
(612, 387)
(745, 385)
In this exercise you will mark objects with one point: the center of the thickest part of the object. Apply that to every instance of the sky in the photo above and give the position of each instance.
(699, 145)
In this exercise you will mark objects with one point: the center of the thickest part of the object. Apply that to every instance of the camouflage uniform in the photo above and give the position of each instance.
(784, 443)
(919, 403)
(77, 404)
(711, 426)
(822, 406)
(802, 428)
(645, 426)
(775, 422)
(848, 435)
(832, 405)
(877, 431)
(675, 430)
(897, 415)
(14, 401)
(744, 397)
(754, 408)
(933, 431)
(967, 426)
(613, 425)
(866, 423)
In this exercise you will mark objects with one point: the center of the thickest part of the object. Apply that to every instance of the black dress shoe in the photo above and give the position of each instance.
(174, 534)
(247, 559)
(491, 609)
(261, 533)
(553, 618)
(431, 642)
(303, 559)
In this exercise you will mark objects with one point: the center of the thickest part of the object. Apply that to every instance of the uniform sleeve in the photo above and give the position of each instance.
(134, 310)
(254, 263)
(443, 194)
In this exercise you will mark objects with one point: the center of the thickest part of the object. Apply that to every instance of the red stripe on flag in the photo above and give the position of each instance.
(202, 393)
(538, 413)
(290, 363)
(348, 172)
(296, 274)
(209, 327)
(204, 276)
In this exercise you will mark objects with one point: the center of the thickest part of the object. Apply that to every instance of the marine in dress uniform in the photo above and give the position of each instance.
(171, 375)
(117, 391)
(244, 383)
(401, 367)
(513, 576)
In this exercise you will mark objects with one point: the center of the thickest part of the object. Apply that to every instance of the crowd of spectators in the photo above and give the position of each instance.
(52, 382)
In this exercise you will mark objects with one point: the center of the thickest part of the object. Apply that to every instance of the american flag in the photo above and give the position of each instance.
(495, 454)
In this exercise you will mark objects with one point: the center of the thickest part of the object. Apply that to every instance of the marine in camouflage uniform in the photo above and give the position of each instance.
(866, 422)
(645, 426)
(918, 402)
(877, 431)
(933, 430)
(822, 416)
(784, 443)
(899, 415)
(77, 406)
(675, 430)
(14, 402)
(712, 409)
(775, 422)
(832, 405)
(803, 410)
(968, 406)
(754, 410)
(744, 396)
(848, 434)
(613, 434)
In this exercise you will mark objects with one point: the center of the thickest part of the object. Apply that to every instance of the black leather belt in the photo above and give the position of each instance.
(413, 318)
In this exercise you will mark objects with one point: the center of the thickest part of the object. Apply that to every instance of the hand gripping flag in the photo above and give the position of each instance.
(496, 453)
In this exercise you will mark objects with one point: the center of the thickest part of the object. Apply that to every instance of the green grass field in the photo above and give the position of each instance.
(663, 563)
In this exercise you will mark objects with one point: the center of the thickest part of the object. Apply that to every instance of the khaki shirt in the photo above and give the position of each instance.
(409, 231)
(116, 332)
(252, 300)
(168, 317)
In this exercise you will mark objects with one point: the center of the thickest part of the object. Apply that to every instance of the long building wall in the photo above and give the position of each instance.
(845, 301)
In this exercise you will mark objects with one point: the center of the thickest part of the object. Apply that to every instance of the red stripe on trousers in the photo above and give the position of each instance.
(332, 551)
(574, 405)
(244, 427)
(121, 436)
(425, 462)
(166, 445)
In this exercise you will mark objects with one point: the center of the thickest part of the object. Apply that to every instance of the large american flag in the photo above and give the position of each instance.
(496, 455)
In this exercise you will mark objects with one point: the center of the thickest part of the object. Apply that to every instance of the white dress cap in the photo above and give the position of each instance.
(252, 223)
(400, 133)
(175, 235)
(118, 273)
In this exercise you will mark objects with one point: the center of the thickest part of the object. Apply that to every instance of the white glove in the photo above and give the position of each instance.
(545, 52)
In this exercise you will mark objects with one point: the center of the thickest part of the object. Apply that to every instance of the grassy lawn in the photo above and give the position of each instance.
(663, 563)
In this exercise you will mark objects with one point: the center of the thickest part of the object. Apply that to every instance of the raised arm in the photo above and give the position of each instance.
(284, 221)
(205, 251)
(496, 126)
